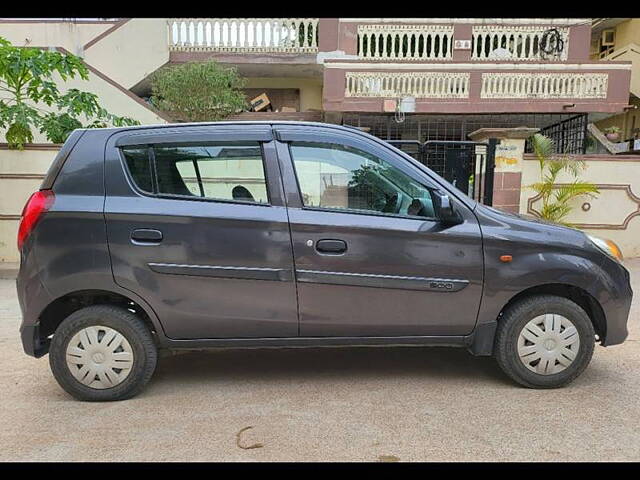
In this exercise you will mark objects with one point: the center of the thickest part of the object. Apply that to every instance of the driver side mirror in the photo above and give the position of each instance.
(445, 209)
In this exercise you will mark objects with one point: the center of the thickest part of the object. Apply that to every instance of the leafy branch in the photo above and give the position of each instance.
(27, 84)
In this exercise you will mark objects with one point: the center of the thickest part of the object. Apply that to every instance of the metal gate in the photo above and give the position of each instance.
(468, 165)
(569, 136)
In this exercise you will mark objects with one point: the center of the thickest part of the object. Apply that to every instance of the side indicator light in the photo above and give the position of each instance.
(506, 258)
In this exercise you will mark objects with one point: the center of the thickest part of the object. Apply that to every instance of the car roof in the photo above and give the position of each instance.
(346, 128)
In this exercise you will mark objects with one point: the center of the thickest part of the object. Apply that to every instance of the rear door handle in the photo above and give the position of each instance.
(146, 236)
(331, 246)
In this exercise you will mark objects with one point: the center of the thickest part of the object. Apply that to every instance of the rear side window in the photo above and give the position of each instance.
(220, 171)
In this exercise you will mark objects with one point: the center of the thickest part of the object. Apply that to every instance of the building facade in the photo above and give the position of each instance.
(506, 67)
(614, 40)
(429, 82)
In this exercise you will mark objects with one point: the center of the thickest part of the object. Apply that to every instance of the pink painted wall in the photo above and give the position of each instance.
(617, 96)
(461, 32)
(348, 41)
(328, 34)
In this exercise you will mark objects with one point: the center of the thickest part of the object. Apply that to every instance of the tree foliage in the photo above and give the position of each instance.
(556, 197)
(198, 91)
(28, 84)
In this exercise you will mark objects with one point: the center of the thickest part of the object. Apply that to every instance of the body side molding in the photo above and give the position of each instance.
(381, 281)
(245, 273)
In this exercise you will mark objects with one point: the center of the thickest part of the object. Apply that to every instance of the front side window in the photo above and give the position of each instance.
(220, 171)
(342, 177)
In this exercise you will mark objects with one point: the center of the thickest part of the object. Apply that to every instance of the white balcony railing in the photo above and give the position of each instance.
(512, 42)
(407, 42)
(413, 84)
(244, 35)
(544, 85)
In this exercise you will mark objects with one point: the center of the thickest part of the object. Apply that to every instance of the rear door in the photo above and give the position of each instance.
(197, 226)
(371, 258)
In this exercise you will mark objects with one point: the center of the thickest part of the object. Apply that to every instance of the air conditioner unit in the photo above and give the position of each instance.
(608, 37)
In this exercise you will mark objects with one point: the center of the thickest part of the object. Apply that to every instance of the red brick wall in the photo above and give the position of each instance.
(506, 191)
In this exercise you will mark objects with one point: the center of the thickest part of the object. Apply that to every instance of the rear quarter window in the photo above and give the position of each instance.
(139, 166)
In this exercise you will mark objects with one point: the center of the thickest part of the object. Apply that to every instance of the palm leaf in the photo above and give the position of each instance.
(574, 166)
(543, 188)
(556, 198)
(543, 148)
(565, 193)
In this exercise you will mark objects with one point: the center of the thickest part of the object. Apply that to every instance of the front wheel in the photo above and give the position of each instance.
(544, 341)
(102, 353)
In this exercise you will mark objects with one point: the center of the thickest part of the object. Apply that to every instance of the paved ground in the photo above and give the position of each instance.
(367, 404)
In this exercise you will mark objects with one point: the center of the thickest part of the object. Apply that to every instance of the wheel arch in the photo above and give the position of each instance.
(571, 292)
(481, 342)
(53, 315)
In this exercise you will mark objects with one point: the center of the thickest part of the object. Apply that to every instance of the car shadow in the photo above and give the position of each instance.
(345, 363)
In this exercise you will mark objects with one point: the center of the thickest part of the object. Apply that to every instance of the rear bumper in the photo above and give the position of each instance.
(31, 342)
(33, 299)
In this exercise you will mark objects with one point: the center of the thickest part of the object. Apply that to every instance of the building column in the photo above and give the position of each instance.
(328, 34)
(507, 179)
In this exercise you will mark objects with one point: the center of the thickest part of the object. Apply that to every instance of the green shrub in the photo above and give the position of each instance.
(198, 91)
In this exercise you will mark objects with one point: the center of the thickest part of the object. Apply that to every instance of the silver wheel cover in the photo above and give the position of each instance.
(99, 357)
(548, 344)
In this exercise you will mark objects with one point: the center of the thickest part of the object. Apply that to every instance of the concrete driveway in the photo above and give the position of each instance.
(405, 404)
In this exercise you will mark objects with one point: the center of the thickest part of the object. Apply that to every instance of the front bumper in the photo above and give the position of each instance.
(618, 304)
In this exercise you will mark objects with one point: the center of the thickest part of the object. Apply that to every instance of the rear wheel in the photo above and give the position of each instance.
(544, 341)
(102, 353)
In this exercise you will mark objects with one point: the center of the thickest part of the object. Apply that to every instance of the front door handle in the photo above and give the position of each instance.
(148, 236)
(331, 246)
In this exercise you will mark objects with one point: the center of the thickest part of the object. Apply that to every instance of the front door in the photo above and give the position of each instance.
(197, 226)
(370, 257)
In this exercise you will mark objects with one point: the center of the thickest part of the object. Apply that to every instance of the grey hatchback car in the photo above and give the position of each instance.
(279, 234)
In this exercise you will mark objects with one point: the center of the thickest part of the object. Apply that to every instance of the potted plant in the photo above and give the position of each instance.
(612, 133)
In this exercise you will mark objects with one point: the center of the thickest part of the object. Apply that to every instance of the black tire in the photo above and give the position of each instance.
(134, 330)
(516, 316)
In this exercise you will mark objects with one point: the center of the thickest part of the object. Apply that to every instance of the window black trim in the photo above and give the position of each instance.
(372, 213)
(196, 168)
(175, 196)
(195, 135)
(152, 166)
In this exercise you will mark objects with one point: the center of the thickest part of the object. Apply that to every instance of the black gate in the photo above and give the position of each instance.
(569, 136)
(469, 166)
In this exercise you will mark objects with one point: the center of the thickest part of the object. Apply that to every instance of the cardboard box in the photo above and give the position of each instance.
(260, 103)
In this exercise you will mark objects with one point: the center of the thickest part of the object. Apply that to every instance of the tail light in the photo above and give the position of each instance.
(36, 206)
